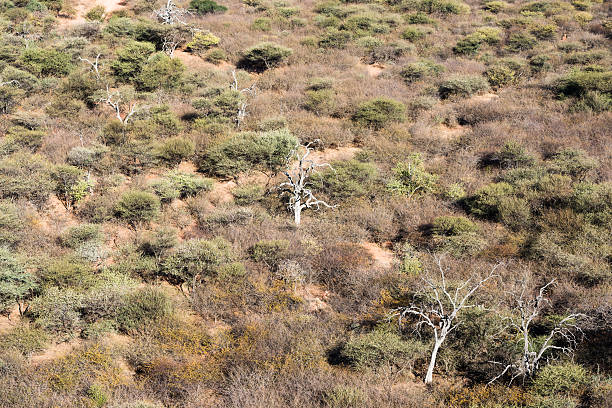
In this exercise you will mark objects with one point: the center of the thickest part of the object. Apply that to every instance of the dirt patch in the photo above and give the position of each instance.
(330, 155)
(315, 298)
(382, 255)
(8, 322)
(81, 7)
(445, 132)
(56, 351)
(373, 70)
(195, 62)
(488, 97)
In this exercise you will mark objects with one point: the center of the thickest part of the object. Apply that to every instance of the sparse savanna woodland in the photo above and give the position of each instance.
(305, 204)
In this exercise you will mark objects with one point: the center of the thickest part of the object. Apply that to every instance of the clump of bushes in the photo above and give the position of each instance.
(422, 69)
(206, 6)
(175, 150)
(270, 252)
(462, 86)
(410, 177)
(137, 207)
(196, 260)
(379, 112)
(143, 307)
(266, 151)
(248, 194)
(351, 178)
(382, 348)
(180, 185)
(264, 56)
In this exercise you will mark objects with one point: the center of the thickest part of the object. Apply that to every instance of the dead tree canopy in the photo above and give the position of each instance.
(297, 185)
(526, 310)
(439, 303)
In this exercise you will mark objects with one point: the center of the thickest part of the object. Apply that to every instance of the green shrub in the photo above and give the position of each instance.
(78, 235)
(495, 6)
(270, 252)
(131, 58)
(264, 56)
(201, 42)
(578, 83)
(320, 101)
(25, 176)
(342, 396)
(379, 112)
(206, 6)
(449, 225)
(485, 202)
(413, 34)
(66, 272)
(45, 62)
(15, 283)
(160, 71)
(521, 42)
(419, 70)
(248, 194)
(70, 184)
(157, 243)
(511, 155)
(18, 137)
(96, 14)
(24, 339)
(262, 24)
(544, 31)
(197, 259)
(334, 38)
(12, 224)
(97, 395)
(567, 378)
(143, 307)
(248, 151)
(462, 86)
(180, 185)
(466, 244)
(419, 18)
(175, 150)
(571, 162)
(120, 27)
(136, 207)
(500, 75)
(440, 6)
(347, 179)
(380, 348)
(215, 56)
(411, 178)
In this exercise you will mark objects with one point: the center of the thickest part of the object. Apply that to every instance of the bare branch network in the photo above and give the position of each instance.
(296, 186)
(170, 13)
(526, 310)
(438, 306)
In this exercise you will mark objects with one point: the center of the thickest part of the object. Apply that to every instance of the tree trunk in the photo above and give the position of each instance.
(432, 362)
(297, 212)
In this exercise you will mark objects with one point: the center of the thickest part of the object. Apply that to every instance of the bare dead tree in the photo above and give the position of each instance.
(170, 13)
(170, 43)
(438, 305)
(300, 195)
(124, 107)
(526, 310)
(95, 66)
(249, 92)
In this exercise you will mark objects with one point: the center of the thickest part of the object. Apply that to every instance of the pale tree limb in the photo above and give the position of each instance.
(526, 310)
(249, 92)
(95, 65)
(438, 306)
(296, 186)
